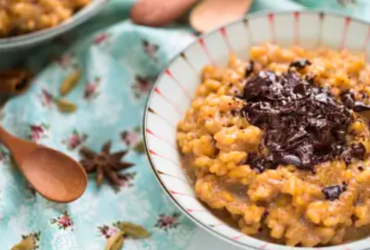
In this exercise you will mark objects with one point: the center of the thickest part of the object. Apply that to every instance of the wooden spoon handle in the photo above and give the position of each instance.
(6, 138)
(14, 81)
(19, 148)
(210, 14)
(159, 12)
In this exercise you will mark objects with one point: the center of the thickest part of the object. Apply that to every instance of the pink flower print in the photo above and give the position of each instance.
(38, 132)
(150, 49)
(91, 89)
(3, 155)
(125, 181)
(47, 99)
(75, 140)
(65, 61)
(111, 231)
(142, 86)
(107, 231)
(166, 222)
(101, 38)
(130, 138)
(63, 222)
(133, 140)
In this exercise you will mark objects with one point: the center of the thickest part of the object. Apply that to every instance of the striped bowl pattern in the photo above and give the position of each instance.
(172, 94)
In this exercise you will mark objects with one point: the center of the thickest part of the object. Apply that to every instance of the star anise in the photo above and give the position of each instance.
(105, 164)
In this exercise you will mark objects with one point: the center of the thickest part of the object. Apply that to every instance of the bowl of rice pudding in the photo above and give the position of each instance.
(25, 23)
(259, 131)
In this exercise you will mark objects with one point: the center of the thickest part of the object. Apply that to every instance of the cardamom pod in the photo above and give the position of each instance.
(133, 230)
(65, 106)
(140, 148)
(26, 244)
(115, 242)
(70, 82)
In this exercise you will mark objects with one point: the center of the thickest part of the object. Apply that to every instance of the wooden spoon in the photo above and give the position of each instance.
(54, 175)
(14, 81)
(210, 14)
(159, 12)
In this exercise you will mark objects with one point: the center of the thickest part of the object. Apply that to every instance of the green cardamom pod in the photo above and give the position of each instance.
(65, 106)
(115, 242)
(133, 230)
(140, 148)
(70, 82)
(26, 244)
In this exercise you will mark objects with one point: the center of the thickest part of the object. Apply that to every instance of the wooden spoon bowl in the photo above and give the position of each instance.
(209, 14)
(54, 175)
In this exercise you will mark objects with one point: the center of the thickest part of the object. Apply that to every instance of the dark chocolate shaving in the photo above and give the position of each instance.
(333, 192)
(360, 106)
(348, 100)
(257, 162)
(234, 112)
(304, 124)
(291, 159)
(249, 69)
(358, 150)
(300, 64)
(347, 159)
(364, 94)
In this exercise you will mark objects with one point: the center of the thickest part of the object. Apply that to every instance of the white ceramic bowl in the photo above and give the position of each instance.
(174, 88)
(34, 38)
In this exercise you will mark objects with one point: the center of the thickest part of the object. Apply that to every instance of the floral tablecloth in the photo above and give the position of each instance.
(118, 64)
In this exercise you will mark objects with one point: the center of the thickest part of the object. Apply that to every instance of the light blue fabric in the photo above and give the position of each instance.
(119, 62)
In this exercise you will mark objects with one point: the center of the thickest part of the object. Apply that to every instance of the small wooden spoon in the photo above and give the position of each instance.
(14, 81)
(210, 14)
(54, 175)
(158, 13)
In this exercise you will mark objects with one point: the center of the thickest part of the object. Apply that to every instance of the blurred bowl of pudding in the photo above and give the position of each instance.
(26, 23)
